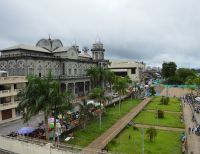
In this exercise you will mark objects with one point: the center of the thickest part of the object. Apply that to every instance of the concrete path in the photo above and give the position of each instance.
(107, 136)
(177, 92)
(151, 110)
(160, 127)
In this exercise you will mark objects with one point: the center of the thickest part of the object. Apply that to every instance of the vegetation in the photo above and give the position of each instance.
(42, 94)
(173, 105)
(120, 86)
(160, 114)
(176, 76)
(83, 137)
(151, 133)
(166, 142)
(168, 69)
(164, 100)
(98, 94)
(152, 91)
(170, 119)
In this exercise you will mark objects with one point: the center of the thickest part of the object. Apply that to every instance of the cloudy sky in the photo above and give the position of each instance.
(152, 31)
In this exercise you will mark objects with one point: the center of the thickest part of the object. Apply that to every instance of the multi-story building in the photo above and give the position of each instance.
(132, 69)
(9, 88)
(67, 64)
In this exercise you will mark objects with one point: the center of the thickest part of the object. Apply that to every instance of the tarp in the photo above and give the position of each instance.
(25, 130)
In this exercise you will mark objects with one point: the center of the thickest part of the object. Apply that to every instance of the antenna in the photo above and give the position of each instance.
(98, 40)
(49, 36)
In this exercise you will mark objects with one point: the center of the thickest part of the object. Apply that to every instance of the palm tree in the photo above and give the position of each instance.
(94, 73)
(60, 101)
(151, 133)
(34, 99)
(98, 95)
(110, 78)
(120, 86)
(42, 94)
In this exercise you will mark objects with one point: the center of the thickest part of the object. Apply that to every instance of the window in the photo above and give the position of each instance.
(75, 71)
(69, 71)
(133, 70)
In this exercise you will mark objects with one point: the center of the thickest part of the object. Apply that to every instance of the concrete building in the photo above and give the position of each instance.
(68, 64)
(132, 69)
(9, 87)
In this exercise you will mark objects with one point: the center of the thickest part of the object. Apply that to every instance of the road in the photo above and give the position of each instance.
(107, 136)
(13, 126)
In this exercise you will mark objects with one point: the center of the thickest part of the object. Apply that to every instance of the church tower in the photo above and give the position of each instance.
(98, 51)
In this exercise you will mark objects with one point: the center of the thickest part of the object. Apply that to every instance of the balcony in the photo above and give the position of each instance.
(13, 79)
(6, 93)
(9, 105)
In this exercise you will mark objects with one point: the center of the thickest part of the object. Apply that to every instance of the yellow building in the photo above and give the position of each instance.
(9, 88)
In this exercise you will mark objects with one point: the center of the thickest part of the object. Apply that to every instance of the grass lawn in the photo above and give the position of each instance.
(174, 104)
(169, 120)
(166, 142)
(92, 131)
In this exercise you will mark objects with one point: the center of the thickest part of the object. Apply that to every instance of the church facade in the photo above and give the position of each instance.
(67, 64)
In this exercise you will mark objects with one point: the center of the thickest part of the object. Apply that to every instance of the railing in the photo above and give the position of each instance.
(10, 78)
(4, 91)
(9, 103)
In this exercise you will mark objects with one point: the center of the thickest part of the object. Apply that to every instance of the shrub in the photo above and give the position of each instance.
(164, 100)
(160, 114)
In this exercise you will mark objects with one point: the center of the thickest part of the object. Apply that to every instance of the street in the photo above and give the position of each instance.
(13, 126)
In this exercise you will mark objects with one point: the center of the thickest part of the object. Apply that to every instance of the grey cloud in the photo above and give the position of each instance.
(151, 31)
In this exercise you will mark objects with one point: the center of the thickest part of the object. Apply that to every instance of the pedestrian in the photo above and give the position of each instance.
(193, 129)
(189, 130)
(129, 137)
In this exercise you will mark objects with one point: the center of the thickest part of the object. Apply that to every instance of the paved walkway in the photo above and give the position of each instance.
(151, 110)
(107, 136)
(160, 127)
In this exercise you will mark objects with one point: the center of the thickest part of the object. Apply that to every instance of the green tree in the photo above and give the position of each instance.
(60, 101)
(151, 133)
(120, 86)
(152, 91)
(110, 78)
(42, 94)
(168, 69)
(98, 94)
(94, 73)
(185, 73)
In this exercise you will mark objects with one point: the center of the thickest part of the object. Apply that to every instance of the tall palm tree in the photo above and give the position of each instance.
(34, 99)
(151, 133)
(94, 73)
(42, 94)
(110, 78)
(98, 95)
(60, 101)
(120, 86)
(97, 75)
